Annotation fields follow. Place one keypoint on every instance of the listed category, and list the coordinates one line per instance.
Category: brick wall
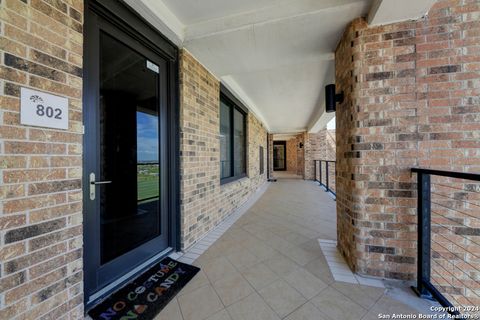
(411, 100)
(270, 156)
(300, 139)
(40, 169)
(330, 145)
(204, 202)
(448, 90)
(319, 146)
(292, 155)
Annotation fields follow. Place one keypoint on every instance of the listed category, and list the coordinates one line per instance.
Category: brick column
(301, 154)
(292, 155)
(411, 93)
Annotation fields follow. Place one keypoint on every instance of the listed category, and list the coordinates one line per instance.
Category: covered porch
(277, 259)
(177, 118)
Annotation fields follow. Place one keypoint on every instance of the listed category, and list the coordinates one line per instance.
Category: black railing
(448, 246)
(325, 174)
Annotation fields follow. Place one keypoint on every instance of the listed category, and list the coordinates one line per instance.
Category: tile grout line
(373, 306)
(214, 234)
(179, 308)
(339, 268)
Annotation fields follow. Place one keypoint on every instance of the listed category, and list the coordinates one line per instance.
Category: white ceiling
(388, 11)
(276, 55)
(194, 11)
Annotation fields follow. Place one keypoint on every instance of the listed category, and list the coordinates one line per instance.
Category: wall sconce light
(331, 98)
(300, 145)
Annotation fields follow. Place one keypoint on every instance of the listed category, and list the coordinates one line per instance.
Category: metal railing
(325, 174)
(448, 263)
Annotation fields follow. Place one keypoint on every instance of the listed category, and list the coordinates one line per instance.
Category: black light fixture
(300, 145)
(331, 98)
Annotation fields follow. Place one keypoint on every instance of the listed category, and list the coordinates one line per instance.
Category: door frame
(284, 144)
(123, 18)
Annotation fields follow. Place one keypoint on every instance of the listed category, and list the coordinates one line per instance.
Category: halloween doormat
(147, 295)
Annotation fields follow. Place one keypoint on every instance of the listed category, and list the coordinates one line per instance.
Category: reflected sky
(147, 137)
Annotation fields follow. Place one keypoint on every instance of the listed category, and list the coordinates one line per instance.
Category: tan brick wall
(330, 145)
(40, 169)
(204, 202)
(292, 155)
(300, 139)
(270, 156)
(411, 100)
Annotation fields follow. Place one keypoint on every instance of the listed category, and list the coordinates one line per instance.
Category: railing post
(315, 168)
(326, 174)
(424, 234)
(320, 170)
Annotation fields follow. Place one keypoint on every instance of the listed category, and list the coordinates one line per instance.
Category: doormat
(147, 295)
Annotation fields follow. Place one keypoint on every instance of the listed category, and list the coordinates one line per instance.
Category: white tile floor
(192, 253)
(286, 175)
(267, 263)
(339, 268)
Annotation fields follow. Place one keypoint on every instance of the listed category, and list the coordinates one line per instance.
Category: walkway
(269, 265)
(286, 175)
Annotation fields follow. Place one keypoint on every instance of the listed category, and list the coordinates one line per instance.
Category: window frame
(234, 104)
(262, 159)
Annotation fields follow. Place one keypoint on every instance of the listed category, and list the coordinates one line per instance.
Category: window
(261, 159)
(232, 138)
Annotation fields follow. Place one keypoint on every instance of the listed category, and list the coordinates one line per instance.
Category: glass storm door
(126, 160)
(128, 189)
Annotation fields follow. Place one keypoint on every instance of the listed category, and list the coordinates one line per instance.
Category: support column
(411, 99)
(377, 145)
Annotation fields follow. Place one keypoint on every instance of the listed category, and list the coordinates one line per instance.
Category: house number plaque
(43, 109)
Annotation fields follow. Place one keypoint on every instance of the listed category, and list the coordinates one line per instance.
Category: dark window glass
(239, 142)
(129, 150)
(261, 160)
(225, 141)
(232, 140)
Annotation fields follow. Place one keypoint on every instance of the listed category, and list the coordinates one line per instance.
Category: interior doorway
(279, 155)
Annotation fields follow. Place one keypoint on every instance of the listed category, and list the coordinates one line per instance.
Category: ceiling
(275, 55)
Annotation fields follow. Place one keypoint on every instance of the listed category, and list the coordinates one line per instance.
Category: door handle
(93, 183)
(100, 182)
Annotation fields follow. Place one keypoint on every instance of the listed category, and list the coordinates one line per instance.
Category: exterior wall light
(331, 98)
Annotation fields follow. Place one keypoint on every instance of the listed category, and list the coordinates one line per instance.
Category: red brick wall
(348, 200)
(448, 89)
(411, 100)
(320, 146)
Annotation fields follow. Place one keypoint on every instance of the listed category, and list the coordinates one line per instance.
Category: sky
(331, 124)
(147, 137)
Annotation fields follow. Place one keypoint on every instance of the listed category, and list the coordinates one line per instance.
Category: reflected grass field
(147, 181)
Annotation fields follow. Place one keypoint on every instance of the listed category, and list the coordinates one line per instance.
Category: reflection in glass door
(129, 150)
